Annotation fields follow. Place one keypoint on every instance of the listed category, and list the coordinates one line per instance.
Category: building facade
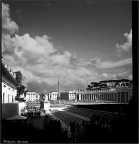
(10, 106)
(9, 90)
(53, 96)
(32, 96)
(72, 95)
(64, 95)
(117, 95)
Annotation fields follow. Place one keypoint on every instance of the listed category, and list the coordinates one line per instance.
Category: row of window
(7, 99)
(32, 96)
(71, 94)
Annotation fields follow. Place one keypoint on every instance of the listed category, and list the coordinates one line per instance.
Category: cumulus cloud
(37, 58)
(41, 63)
(8, 25)
(127, 45)
(7, 43)
(109, 64)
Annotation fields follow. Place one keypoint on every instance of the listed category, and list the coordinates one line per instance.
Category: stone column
(117, 96)
(75, 96)
(120, 96)
(126, 97)
(110, 97)
(79, 96)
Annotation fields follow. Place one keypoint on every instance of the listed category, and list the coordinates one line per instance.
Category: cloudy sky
(77, 41)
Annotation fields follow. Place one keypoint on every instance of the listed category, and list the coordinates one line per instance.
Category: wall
(9, 110)
(32, 96)
(9, 92)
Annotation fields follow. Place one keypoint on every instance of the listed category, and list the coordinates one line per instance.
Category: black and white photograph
(67, 72)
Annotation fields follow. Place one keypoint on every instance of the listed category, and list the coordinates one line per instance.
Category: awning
(17, 117)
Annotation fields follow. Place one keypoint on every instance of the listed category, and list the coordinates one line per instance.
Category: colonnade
(120, 95)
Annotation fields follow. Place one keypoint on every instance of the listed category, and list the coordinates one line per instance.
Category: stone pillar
(126, 97)
(117, 96)
(76, 97)
(79, 96)
(114, 96)
(120, 97)
(110, 97)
